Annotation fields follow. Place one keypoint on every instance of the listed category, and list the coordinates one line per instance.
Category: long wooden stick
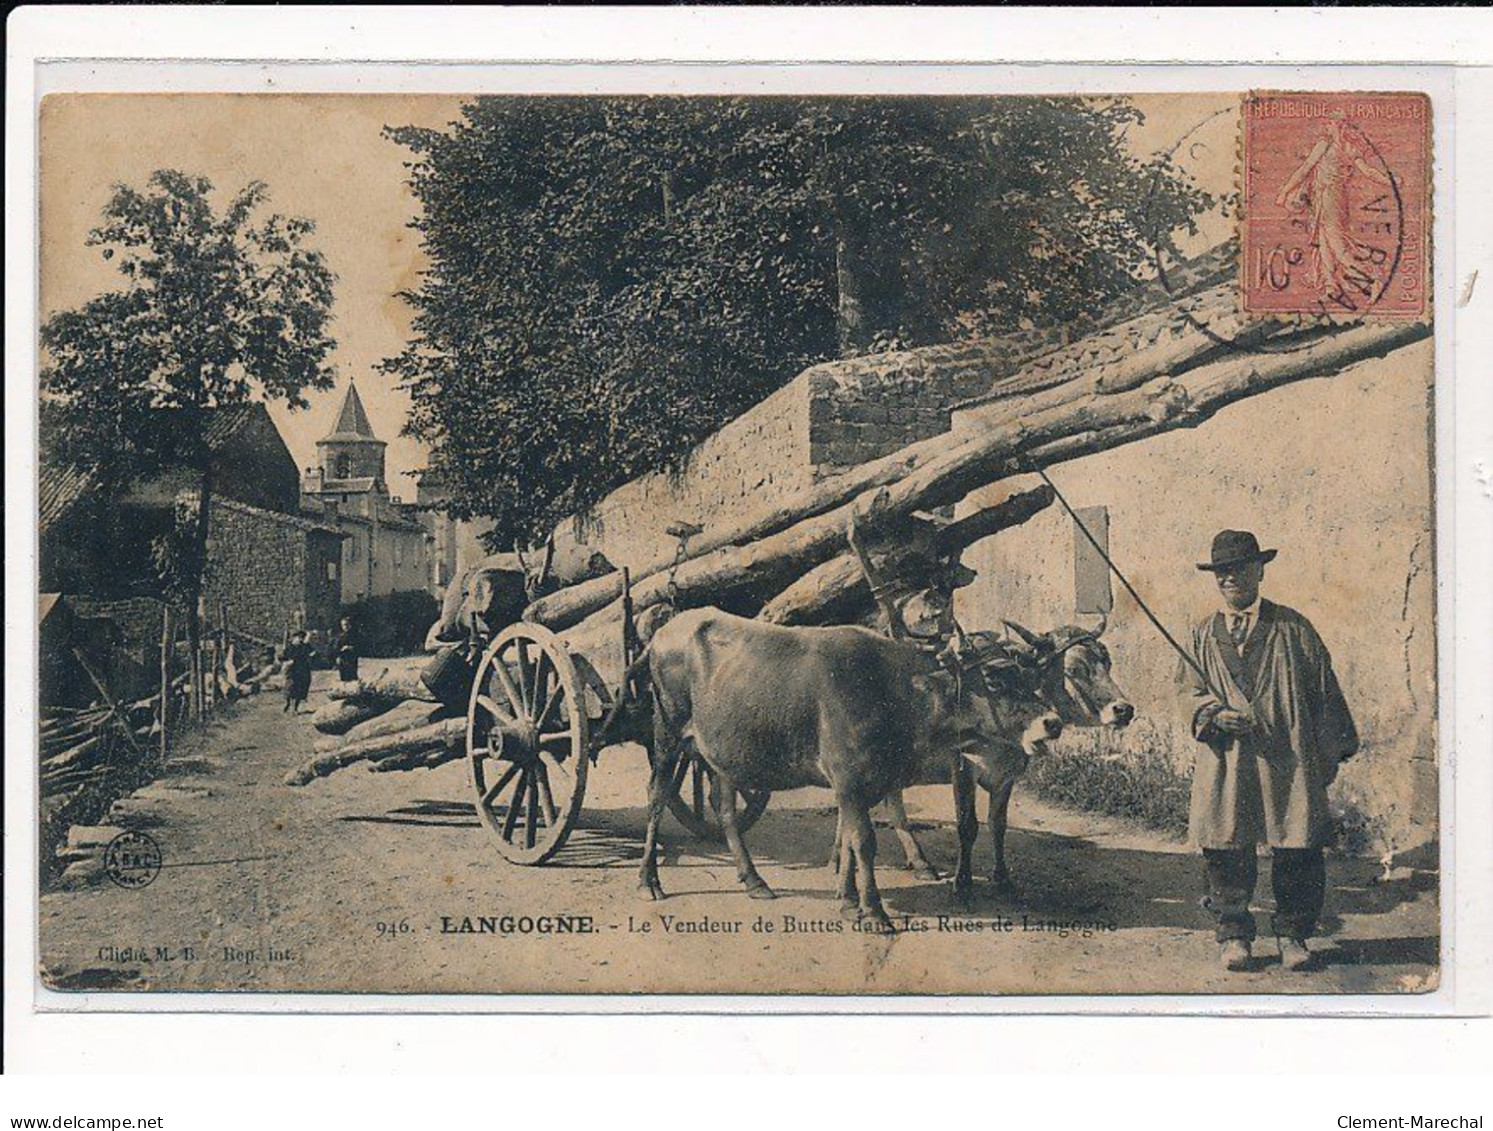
(115, 714)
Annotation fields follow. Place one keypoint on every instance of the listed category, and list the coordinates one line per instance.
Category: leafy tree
(217, 309)
(611, 279)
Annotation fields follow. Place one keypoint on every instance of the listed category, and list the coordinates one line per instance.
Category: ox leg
(967, 823)
(850, 900)
(1000, 804)
(661, 786)
(911, 849)
(723, 795)
(834, 856)
(861, 836)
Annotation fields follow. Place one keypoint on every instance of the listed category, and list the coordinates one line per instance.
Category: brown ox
(772, 708)
(1076, 683)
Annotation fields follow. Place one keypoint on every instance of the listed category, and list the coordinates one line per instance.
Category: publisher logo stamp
(132, 860)
(1334, 205)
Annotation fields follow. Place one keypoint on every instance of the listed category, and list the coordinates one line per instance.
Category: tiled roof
(223, 423)
(297, 521)
(352, 421)
(58, 488)
(358, 486)
(387, 522)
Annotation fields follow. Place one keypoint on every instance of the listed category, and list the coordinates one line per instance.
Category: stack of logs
(392, 721)
(78, 746)
(793, 565)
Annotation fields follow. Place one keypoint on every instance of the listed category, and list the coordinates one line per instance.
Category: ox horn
(1028, 637)
(1103, 624)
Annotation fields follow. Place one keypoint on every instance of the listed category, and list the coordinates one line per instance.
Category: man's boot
(1234, 955)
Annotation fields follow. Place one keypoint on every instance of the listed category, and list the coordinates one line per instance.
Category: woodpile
(1116, 404)
(385, 690)
(76, 745)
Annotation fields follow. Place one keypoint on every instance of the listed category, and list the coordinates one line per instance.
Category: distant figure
(345, 651)
(1265, 705)
(298, 675)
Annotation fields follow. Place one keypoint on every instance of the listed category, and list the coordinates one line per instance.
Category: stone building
(455, 544)
(271, 567)
(385, 549)
(267, 564)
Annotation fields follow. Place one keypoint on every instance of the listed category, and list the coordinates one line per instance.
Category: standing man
(1273, 724)
(345, 651)
(297, 656)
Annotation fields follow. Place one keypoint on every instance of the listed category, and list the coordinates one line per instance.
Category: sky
(323, 158)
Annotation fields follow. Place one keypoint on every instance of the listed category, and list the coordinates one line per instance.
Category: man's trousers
(1298, 878)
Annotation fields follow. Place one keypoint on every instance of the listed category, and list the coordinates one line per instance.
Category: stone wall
(138, 618)
(1352, 520)
(271, 570)
(866, 407)
(129, 663)
(830, 417)
(760, 458)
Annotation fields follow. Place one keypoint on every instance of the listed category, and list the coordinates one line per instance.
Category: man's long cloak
(1268, 786)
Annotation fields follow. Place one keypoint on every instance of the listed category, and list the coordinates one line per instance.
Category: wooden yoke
(902, 556)
(875, 581)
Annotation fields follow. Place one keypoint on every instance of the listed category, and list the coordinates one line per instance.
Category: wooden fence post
(168, 645)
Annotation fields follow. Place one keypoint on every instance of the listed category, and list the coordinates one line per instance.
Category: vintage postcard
(903, 546)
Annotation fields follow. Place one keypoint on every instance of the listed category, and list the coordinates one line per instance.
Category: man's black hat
(1235, 547)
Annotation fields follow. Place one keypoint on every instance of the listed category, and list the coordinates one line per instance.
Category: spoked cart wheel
(690, 801)
(528, 742)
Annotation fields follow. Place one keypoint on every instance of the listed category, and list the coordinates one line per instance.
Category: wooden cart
(539, 716)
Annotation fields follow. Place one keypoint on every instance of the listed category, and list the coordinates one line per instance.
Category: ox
(1075, 682)
(772, 708)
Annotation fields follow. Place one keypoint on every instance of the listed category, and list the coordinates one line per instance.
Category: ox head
(1075, 680)
(996, 690)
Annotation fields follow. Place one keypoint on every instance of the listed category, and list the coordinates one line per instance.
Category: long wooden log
(73, 721)
(80, 754)
(61, 736)
(419, 760)
(768, 565)
(339, 716)
(427, 738)
(837, 589)
(408, 715)
(1000, 449)
(388, 687)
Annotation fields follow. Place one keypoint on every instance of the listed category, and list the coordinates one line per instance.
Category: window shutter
(1091, 588)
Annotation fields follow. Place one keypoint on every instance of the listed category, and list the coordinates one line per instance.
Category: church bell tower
(350, 450)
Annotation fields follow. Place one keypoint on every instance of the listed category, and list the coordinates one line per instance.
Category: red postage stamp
(1334, 208)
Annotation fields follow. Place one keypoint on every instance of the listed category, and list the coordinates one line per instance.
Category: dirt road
(367, 882)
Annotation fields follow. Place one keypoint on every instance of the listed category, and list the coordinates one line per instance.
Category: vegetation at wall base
(1139, 784)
